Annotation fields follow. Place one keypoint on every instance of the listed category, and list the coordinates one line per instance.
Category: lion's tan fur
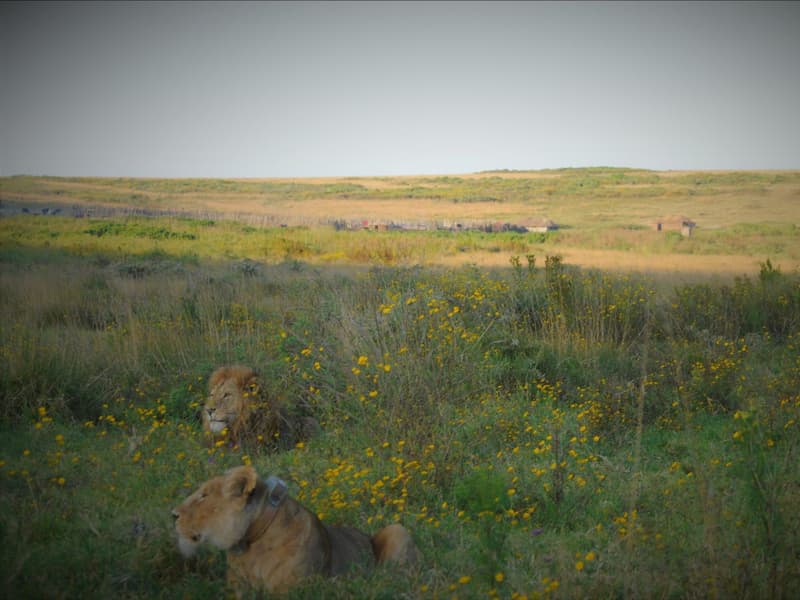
(273, 545)
(239, 407)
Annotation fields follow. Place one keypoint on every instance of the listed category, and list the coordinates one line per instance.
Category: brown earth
(678, 267)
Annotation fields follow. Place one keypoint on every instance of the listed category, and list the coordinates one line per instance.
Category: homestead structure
(538, 225)
(682, 224)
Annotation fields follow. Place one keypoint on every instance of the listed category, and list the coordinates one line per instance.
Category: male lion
(272, 541)
(238, 405)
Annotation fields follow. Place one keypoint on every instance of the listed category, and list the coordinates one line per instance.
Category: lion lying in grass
(273, 542)
(239, 409)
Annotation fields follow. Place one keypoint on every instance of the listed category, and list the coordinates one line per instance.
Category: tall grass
(543, 431)
(140, 240)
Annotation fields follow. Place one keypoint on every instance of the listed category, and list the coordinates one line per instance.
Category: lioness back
(349, 547)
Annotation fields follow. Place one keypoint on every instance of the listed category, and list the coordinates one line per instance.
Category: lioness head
(218, 512)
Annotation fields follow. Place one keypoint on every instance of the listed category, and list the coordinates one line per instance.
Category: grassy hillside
(545, 431)
(604, 215)
(594, 198)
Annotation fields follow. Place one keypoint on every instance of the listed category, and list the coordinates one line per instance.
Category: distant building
(682, 224)
(538, 225)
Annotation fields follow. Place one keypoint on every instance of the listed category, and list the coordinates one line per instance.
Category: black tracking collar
(276, 490)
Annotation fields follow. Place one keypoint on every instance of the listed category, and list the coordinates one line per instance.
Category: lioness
(273, 542)
(239, 406)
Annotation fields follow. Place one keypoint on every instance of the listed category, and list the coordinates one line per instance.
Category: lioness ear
(240, 482)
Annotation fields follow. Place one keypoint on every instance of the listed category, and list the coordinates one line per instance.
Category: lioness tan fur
(239, 408)
(272, 541)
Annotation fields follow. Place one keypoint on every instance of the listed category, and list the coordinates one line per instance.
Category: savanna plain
(599, 411)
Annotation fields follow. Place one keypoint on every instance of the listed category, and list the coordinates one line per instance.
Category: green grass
(542, 431)
(188, 240)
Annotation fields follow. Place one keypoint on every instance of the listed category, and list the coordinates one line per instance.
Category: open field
(575, 198)
(545, 431)
(604, 215)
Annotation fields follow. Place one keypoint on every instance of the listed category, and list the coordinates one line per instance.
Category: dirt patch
(679, 266)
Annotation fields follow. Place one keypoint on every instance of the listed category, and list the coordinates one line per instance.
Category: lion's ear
(240, 482)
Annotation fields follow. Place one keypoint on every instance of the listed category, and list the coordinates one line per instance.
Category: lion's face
(239, 408)
(228, 402)
(217, 512)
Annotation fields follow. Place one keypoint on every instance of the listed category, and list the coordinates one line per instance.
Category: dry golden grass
(603, 213)
(668, 267)
(711, 198)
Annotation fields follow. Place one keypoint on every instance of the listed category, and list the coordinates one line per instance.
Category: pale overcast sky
(271, 89)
